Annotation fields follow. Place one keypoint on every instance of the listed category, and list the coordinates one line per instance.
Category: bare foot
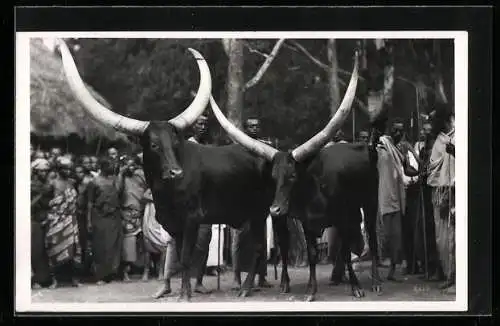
(100, 283)
(199, 288)
(163, 291)
(145, 277)
(53, 285)
(36, 286)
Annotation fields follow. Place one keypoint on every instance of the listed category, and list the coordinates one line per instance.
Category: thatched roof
(54, 109)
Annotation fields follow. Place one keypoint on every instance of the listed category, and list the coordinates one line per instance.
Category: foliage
(153, 78)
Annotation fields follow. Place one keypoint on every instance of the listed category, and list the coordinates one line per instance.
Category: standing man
(424, 149)
(409, 223)
(442, 180)
(205, 232)
(132, 185)
(241, 238)
(392, 194)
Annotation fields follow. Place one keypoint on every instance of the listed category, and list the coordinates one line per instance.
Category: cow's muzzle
(172, 174)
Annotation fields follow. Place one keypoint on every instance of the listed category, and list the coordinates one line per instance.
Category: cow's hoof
(377, 289)
(358, 293)
(310, 298)
(285, 288)
(244, 293)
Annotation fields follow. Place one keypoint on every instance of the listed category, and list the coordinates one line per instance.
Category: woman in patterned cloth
(62, 238)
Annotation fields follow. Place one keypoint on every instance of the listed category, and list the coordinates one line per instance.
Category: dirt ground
(410, 289)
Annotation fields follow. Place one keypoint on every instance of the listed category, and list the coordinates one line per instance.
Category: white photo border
(22, 249)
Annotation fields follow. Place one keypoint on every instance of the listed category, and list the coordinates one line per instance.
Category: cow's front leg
(312, 252)
(257, 232)
(283, 234)
(188, 243)
(357, 291)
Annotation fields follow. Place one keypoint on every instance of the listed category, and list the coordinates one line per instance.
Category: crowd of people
(93, 218)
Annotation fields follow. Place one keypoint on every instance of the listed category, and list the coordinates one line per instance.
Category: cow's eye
(154, 146)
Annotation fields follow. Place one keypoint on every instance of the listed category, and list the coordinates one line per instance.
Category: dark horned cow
(323, 187)
(192, 184)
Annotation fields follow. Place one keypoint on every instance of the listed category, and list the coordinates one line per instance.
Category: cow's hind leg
(312, 253)
(284, 244)
(256, 230)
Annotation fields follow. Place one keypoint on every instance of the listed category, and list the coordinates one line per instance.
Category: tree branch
(310, 56)
(226, 44)
(252, 50)
(252, 82)
(317, 61)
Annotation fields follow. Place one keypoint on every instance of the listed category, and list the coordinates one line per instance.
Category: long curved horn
(240, 137)
(96, 110)
(200, 102)
(322, 137)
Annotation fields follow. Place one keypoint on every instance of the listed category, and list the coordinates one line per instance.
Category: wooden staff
(421, 197)
(218, 258)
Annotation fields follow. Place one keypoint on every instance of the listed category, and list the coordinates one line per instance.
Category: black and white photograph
(241, 171)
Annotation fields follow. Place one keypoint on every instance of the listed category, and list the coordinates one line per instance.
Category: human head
(94, 163)
(55, 152)
(339, 136)
(86, 163)
(364, 136)
(79, 172)
(64, 166)
(252, 127)
(113, 153)
(41, 168)
(107, 166)
(425, 132)
(200, 127)
(397, 130)
(39, 154)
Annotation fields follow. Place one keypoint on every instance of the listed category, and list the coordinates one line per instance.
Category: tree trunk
(235, 83)
(333, 77)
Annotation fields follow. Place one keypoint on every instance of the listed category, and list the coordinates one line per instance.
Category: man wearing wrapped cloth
(132, 187)
(242, 240)
(441, 177)
(62, 237)
(393, 180)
